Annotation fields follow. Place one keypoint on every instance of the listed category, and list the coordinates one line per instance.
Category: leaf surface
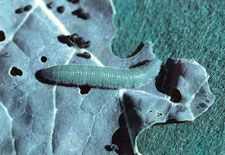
(46, 119)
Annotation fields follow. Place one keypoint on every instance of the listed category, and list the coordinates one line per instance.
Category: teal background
(187, 29)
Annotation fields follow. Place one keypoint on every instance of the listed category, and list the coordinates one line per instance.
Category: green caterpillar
(102, 76)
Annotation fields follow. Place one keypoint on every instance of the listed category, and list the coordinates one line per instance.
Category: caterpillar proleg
(102, 76)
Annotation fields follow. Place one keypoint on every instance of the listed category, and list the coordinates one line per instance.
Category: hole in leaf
(176, 95)
(122, 139)
(168, 78)
(50, 5)
(74, 39)
(2, 36)
(60, 9)
(83, 44)
(159, 114)
(140, 46)
(63, 39)
(84, 89)
(44, 59)
(207, 100)
(15, 71)
(143, 63)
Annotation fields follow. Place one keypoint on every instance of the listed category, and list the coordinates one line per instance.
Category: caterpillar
(102, 76)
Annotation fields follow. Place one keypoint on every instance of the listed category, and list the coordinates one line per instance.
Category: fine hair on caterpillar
(100, 77)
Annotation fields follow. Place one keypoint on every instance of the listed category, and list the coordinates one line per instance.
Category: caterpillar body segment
(102, 76)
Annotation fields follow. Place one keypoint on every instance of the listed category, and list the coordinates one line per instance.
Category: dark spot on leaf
(74, 37)
(79, 41)
(2, 36)
(73, 1)
(44, 59)
(202, 105)
(150, 111)
(60, 9)
(140, 46)
(19, 11)
(159, 114)
(50, 5)
(176, 95)
(108, 148)
(66, 40)
(84, 89)
(143, 63)
(81, 14)
(84, 44)
(15, 71)
(27, 8)
(85, 55)
(63, 39)
(112, 147)
(70, 43)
